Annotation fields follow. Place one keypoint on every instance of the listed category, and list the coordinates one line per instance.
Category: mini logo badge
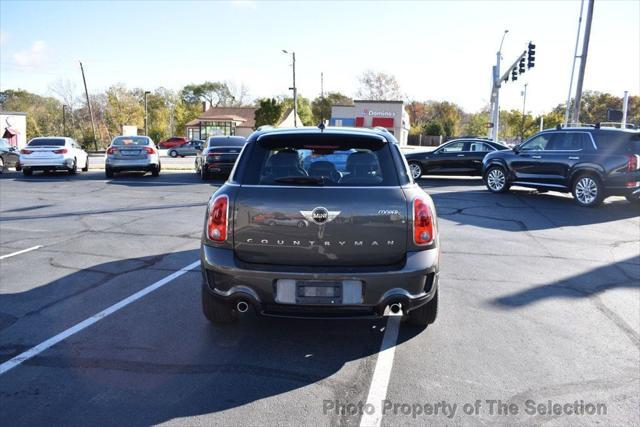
(320, 215)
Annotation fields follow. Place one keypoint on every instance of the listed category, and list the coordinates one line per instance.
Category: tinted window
(454, 147)
(130, 140)
(537, 143)
(566, 141)
(304, 160)
(226, 142)
(46, 142)
(480, 146)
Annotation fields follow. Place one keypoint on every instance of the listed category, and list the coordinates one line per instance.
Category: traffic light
(521, 66)
(514, 75)
(531, 55)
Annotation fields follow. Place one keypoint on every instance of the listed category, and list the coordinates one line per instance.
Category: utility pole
(495, 93)
(294, 89)
(625, 106)
(93, 124)
(321, 97)
(583, 63)
(146, 117)
(524, 105)
(573, 67)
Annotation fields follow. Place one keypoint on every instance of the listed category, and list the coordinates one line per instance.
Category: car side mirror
(516, 149)
(12, 148)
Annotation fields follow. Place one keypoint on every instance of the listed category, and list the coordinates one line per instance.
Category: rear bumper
(131, 165)
(413, 285)
(46, 164)
(219, 167)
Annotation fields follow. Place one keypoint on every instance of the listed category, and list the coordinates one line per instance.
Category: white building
(370, 114)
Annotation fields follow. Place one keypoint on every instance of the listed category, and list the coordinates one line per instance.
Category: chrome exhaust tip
(242, 306)
(395, 308)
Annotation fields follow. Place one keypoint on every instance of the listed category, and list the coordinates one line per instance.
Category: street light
(294, 89)
(146, 119)
(496, 91)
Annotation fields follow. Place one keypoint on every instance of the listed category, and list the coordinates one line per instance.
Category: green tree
(124, 107)
(321, 107)
(268, 112)
(476, 124)
(433, 129)
(216, 94)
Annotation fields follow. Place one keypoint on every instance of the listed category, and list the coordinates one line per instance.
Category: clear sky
(437, 50)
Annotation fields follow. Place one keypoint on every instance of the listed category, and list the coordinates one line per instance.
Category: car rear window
(41, 142)
(227, 142)
(324, 161)
(130, 140)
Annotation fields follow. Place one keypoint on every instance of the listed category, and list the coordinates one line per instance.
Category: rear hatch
(223, 154)
(44, 148)
(289, 211)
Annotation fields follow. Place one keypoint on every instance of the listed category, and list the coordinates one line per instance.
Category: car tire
(416, 170)
(18, 167)
(156, 170)
(74, 169)
(173, 153)
(108, 172)
(588, 191)
(204, 175)
(496, 180)
(1, 165)
(86, 166)
(425, 314)
(216, 311)
(27, 172)
(634, 200)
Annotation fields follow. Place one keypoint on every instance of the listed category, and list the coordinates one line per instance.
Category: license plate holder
(318, 292)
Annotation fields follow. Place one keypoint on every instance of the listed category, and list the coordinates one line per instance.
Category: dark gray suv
(320, 222)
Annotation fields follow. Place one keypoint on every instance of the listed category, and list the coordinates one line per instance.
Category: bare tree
(239, 93)
(378, 86)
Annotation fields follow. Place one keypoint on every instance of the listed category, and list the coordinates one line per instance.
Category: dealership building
(370, 114)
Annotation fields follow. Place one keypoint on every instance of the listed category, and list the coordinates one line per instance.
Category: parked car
(132, 153)
(369, 241)
(456, 157)
(53, 153)
(219, 155)
(591, 163)
(191, 148)
(172, 142)
(9, 156)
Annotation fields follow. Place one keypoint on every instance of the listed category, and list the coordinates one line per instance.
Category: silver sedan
(191, 148)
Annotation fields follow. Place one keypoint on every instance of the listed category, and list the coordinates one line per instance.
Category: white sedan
(53, 153)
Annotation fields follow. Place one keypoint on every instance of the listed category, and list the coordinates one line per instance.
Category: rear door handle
(536, 157)
(460, 155)
(574, 158)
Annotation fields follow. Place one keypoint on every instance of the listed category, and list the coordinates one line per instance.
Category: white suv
(53, 153)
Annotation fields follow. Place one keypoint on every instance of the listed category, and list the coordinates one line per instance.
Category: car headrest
(284, 159)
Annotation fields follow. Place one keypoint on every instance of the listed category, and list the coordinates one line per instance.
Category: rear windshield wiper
(302, 180)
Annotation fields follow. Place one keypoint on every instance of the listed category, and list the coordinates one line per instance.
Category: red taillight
(149, 150)
(25, 151)
(218, 217)
(60, 151)
(111, 150)
(423, 228)
(633, 164)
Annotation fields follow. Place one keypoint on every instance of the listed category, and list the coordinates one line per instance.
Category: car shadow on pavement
(159, 359)
(622, 274)
(526, 210)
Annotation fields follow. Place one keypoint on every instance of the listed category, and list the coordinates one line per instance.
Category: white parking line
(382, 373)
(34, 351)
(20, 252)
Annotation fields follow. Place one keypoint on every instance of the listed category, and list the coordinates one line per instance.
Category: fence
(424, 140)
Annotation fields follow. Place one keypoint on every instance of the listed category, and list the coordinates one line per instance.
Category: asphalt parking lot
(540, 301)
